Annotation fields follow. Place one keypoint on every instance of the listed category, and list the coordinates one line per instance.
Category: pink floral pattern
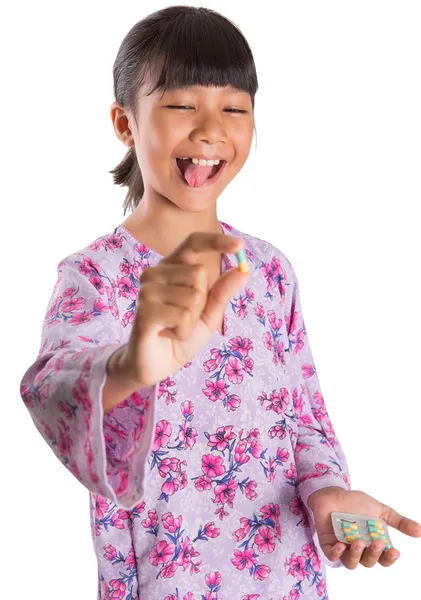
(198, 485)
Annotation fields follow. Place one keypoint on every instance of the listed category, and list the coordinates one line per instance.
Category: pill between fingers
(242, 261)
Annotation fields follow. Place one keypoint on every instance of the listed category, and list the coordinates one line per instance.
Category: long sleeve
(319, 457)
(62, 389)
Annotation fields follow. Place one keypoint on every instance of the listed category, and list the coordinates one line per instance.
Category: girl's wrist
(327, 490)
(119, 368)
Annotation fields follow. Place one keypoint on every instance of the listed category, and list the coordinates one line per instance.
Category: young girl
(181, 392)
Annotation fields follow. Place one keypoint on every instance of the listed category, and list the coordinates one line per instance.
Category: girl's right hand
(176, 313)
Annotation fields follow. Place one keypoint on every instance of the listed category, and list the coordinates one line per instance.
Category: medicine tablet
(242, 261)
(241, 255)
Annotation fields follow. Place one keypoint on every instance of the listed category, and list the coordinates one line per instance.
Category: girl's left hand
(334, 499)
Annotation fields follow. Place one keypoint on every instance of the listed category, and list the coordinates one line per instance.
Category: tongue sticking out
(195, 175)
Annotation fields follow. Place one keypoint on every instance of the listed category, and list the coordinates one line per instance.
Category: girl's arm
(103, 442)
(319, 457)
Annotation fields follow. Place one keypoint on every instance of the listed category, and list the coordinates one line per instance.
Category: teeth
(204, 163)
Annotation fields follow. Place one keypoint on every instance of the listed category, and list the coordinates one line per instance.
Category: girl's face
(194, 122)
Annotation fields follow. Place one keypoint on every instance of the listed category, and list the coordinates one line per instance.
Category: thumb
(219, 295)
(402, 524)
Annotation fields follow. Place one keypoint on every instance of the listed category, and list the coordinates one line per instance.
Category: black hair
(177, 46)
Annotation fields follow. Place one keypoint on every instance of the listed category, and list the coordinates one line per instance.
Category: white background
(334, 183)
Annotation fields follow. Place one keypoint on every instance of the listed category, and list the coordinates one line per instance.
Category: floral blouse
(198, 485)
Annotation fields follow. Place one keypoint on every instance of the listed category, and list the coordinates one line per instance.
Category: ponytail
(127, 173)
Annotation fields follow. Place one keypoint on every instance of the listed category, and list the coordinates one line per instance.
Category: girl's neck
(163, 226)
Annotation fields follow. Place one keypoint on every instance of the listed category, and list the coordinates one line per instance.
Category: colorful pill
(354, 526)
(241, 255)
(242, 261)
(346, 530)
(346, 524)
(374, 536)
(372, 523)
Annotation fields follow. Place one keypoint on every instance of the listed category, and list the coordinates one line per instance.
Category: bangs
(203, 49)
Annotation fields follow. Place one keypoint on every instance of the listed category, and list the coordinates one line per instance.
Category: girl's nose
(209, 130)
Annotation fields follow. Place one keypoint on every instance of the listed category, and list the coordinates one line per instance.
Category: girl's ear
(120, 121)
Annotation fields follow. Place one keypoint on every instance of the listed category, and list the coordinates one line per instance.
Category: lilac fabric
(198, 485)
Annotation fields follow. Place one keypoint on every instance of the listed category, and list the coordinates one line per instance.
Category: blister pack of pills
(350, 527)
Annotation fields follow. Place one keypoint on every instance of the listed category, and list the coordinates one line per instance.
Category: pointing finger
(190, 249)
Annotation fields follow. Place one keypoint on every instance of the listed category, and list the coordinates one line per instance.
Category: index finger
(190, 249)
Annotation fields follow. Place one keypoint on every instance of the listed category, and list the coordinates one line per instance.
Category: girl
(179, 391)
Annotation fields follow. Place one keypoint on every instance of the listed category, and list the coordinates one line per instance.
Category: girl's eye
(233, 110)
(236, 110)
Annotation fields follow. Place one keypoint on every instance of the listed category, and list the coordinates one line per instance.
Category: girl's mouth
(195, 176)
